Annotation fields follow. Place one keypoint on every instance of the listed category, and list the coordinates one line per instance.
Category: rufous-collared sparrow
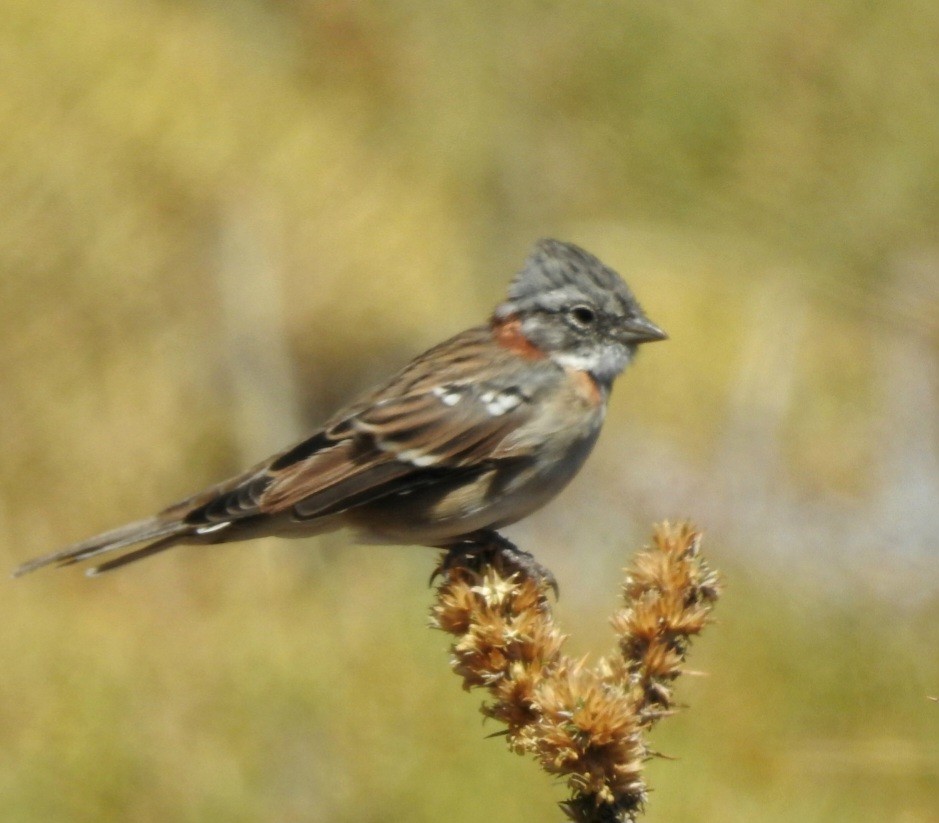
(471, 436)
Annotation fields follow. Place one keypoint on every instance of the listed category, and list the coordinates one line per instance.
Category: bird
(469, 437)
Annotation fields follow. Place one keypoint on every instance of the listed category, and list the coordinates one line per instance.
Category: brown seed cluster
(585, 723)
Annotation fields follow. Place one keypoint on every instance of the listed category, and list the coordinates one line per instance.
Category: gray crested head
(577, 310)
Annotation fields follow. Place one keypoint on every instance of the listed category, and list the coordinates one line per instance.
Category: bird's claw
(493, 548)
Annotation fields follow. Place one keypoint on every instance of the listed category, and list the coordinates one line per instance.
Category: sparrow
(469, 437)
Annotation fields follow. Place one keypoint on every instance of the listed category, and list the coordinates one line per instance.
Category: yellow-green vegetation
(218, 220)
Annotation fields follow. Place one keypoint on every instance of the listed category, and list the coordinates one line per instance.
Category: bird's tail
(159, 535)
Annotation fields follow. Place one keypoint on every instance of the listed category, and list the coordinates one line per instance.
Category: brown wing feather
(346, 468)
(453, 425)
(385, 452)
(389, 440)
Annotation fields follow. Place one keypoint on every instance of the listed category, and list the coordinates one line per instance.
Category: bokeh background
(218, 220)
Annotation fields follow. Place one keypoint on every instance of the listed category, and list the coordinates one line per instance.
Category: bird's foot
(492, 549)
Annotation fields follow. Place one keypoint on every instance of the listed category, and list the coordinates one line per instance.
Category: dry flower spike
(583, 723)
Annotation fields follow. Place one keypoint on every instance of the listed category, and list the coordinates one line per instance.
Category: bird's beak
(640, 330)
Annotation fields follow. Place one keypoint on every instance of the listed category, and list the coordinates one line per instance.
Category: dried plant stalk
(583, 723)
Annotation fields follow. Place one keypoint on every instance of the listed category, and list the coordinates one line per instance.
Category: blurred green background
(218, 220)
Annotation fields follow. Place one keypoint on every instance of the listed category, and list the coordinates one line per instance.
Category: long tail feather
(166, 533)
(137, 554)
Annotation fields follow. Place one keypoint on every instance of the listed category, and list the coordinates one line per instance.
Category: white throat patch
(604, 363)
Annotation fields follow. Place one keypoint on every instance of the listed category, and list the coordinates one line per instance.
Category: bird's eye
(583, 315)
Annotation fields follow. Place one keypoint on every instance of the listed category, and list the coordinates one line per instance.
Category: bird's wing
(396, 443)
(403, 434)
